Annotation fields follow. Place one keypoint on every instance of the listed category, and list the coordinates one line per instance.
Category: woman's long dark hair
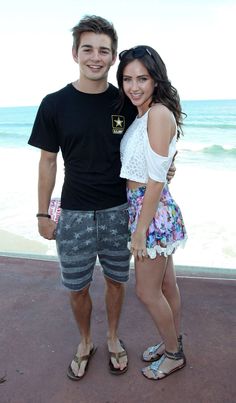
(164, 92)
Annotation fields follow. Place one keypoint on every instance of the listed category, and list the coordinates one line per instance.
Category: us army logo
(118, 124)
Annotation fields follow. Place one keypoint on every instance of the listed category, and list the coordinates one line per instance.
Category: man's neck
(91, 87)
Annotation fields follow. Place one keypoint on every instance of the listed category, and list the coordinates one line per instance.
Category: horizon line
(182, 100)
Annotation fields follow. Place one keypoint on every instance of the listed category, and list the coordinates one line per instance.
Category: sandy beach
(211, 230)
(12, 243)
(203, 185)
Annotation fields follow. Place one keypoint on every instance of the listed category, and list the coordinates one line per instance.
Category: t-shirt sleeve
(44, 133)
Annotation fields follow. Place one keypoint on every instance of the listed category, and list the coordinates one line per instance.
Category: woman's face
(138, 85)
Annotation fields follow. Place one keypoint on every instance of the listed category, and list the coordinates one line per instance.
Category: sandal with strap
(152, 353)
(154, 367)
(78, 361)
(117, 356)
(180, 343)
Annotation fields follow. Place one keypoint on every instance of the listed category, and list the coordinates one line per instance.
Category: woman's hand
(138, 245)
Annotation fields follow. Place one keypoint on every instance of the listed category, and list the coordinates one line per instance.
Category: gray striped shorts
(82, 236)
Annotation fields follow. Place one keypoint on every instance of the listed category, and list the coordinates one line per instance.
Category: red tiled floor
(38, 337)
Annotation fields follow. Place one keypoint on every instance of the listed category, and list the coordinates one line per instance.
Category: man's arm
(46, 183)
(172, 170)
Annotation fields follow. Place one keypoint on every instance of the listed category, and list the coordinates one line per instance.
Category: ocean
(204, 184)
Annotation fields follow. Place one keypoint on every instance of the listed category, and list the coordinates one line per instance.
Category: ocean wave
(212, 125)
(213, 150)
(15, 124)
(13, 135)
(216, 149)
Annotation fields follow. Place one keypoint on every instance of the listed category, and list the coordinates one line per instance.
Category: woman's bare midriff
(134, 185)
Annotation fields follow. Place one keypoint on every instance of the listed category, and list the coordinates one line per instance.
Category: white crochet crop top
(139, 161)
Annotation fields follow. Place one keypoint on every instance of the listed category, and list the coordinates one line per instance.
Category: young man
(82, 120)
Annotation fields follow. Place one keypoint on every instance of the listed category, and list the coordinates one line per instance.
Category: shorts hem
(158, 250)
(115, 280)
(68, 287)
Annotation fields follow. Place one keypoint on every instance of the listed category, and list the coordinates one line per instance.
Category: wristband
(43, 215)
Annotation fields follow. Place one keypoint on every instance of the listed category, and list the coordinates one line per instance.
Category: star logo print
(118, 124)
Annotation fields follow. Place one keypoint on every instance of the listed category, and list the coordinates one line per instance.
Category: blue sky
(196, 40)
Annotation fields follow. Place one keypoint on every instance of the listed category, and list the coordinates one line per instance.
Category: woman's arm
(150, 204)
(161, 129)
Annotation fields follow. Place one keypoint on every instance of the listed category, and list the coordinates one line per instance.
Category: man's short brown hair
(98, 25)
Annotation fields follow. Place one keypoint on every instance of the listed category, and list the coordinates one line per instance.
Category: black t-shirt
(87, 129)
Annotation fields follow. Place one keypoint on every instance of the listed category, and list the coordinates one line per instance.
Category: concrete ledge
(181, 271)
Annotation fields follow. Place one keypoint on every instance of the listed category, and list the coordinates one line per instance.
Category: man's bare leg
(81, 305)
(114, 300)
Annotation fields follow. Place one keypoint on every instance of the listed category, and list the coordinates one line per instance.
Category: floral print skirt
(166, 231)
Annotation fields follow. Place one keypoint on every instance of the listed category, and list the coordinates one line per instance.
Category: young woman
(155, 220)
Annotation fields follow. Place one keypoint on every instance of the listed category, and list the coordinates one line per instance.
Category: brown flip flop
(112, 369)
(78, 360)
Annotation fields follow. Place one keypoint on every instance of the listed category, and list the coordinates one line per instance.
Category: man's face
(94, 56)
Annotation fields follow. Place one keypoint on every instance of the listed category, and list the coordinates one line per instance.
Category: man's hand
(46, 228)
(172, 169)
